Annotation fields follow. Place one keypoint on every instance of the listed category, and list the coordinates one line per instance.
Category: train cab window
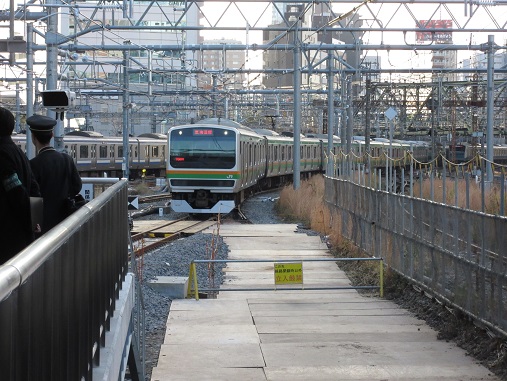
(102, 152)
(198, 147)
(84, 152)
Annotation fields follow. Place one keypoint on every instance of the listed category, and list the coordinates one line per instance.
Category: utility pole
(367, 131)
(330, 111)
(52, 67)
(490, 106)
(297, 106)
(30, 149)
(126, 105)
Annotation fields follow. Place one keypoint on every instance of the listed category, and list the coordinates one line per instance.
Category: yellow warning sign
(289, 273)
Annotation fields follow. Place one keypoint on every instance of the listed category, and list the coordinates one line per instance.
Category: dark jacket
(17, 184)
(58, 178)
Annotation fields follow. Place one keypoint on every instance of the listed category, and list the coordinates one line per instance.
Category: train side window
(154, 151)
(102, 152)
(83, 152)
(120, 151)
(111, 151)
(276, 153)
(283, 153)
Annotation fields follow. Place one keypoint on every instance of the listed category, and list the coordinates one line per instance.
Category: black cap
(41, 123)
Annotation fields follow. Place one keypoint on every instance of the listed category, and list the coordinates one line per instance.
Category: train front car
(211, 165)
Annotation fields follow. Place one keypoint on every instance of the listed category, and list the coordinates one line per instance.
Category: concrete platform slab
(300, 334)
(368, 372)
(211, 334)
(212, 355)
(208, 374)
(368, 337)
(358, 353)
(308, 328)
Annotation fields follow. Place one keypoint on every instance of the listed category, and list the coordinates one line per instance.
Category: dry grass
(305, 204)
(140, 188)
(491, 197)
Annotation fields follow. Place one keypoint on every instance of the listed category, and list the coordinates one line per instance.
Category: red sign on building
(435, 36)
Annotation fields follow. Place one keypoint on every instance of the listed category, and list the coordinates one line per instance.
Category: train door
(145, 156)
(119, 155)
(134, 156)
(93, 155)
(290, 159)
(276, 159)
(71, 151)
(246, 163)
(103, 157)
(112, 156)
(83, 157)
(271, 159)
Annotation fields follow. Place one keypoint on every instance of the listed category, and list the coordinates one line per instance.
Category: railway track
(154, 198)
(150, 234)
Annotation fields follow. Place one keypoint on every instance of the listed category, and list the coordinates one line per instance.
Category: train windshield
(202, 147)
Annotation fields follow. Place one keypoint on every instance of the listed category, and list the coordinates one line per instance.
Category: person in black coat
(17, 184)
(55, 172)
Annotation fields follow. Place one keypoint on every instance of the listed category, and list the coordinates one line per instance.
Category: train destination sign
(203, 132)
(288, 273)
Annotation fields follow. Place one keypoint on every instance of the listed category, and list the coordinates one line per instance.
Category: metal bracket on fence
(193, 290)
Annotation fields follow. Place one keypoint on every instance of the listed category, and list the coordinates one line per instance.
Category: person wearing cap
(55, 172)
(17, 184)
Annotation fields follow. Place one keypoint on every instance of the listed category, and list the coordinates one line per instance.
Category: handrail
(15, 271)
(192, 278)
(61, 291)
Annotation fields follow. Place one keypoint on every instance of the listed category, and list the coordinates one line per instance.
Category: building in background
(214, 62)
(97, 75)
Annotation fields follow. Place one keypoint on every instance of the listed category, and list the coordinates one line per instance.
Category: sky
(460, 15)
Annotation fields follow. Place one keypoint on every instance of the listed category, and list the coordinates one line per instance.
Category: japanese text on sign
(288, 273)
